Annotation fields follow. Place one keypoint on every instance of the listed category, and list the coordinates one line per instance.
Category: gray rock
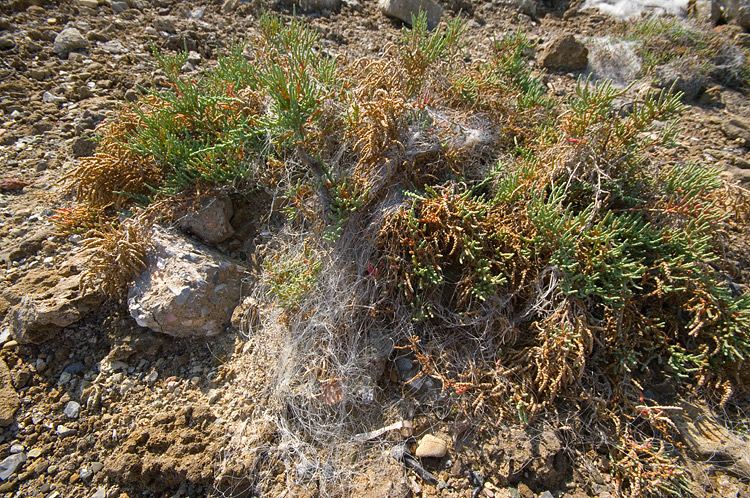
(528, 7)
(9, 401)
(405, 9)
(34, 321)
(89, 4)
(131, 95)
(355, 5)
(114, 47)
(546, 494)
(229, 6)
(564, 53)
(83, 147)
(737, 129)
(10, 464)
(736, 11)
(119, 7)
(186, 289)
(74, 368)
(85, 474)
(165, 24)
(68, 40)
(51, 98)
(72, 409)
(404, 364)
(706, 11)
(309, 6)
(16, 448)
(96, 467)
(208, 219)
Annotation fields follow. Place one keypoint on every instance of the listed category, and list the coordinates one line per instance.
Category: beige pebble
(431, 447)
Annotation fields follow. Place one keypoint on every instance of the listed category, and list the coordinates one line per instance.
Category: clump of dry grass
(115, 256)
(116, 173)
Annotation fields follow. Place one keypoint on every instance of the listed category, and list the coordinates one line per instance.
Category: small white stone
(72, 409)
(64, 431)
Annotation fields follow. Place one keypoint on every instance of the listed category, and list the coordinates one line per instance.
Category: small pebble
(100, 493)
(16, 448)
(213, 396)
(35, 453)
(64, 431)
(72, 409)
(52, 469)
(431, 447)
(86, 474)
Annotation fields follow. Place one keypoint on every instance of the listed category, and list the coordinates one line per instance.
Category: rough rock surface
(174, 448)
(405, 9)
(9, 402)
(68, 40)
(186, 289)
(564, 53)
(209, 219)
(58, 301)
(737, 129)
